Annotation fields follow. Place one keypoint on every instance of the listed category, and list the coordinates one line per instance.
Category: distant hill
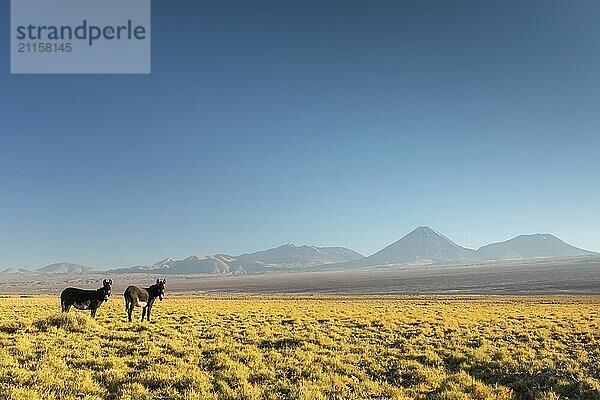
(67, 268)
(422, 245)
(292, 255)
(12, 271)
(217, 264)
(159, 265)
(530, 246)
(199, 265)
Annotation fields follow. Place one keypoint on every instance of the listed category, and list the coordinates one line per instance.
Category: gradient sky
(320, 122)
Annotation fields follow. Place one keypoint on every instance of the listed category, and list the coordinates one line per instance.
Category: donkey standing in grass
(85, 299)
(139, 297)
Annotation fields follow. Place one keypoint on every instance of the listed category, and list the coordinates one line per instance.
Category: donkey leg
(65, 307)
(148, 313)
(128, 307)
(93, 312)
(144, 312)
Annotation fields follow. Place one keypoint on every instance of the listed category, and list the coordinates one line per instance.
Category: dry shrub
(71, 322)
(13, 326)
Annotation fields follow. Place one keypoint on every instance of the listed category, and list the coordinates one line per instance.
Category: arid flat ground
(558, 276)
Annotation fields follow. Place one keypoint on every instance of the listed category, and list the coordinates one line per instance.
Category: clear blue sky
(321, 122)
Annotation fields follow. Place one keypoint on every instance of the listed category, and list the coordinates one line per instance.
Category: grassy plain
(304, 348)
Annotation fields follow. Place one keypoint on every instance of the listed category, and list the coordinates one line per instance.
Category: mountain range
(283, 257)
(421, 246)
(426, 246)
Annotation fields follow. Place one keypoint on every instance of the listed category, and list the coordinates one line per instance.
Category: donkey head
(106, 288)
(160, 284)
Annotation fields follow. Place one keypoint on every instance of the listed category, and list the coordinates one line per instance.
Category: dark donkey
(85, 299)
(139, 297)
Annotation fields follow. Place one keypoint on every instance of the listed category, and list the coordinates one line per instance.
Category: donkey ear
(110, 281)
(104, 282)
(157, 281)
(164, 281)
